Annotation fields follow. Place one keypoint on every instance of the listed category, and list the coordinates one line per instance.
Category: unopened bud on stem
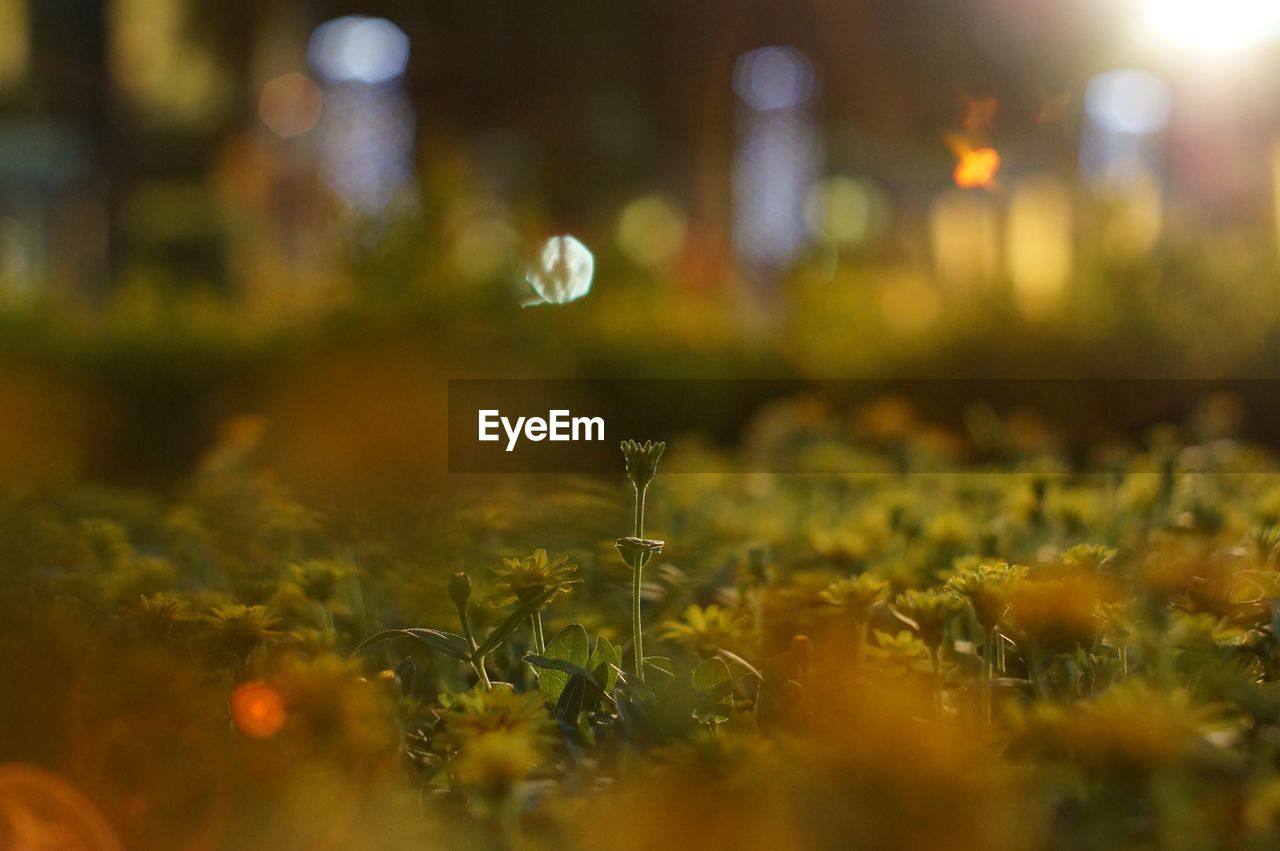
(460, 589)
(642, 461)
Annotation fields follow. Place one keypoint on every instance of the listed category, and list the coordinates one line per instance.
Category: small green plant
(636, 550)
(465, 647)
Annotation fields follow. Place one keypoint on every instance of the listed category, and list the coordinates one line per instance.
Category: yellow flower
(521, 579)
(857, 596)
(986, 587)
(238, 629)
(1056, 614)
(846, 547)
(903, 652)
(157, 616)
(491, 763)
(495, 738)
(334, 707)
(319, 578)
(1203, 630)
(1088, 556)
(705, 630)
(1131, 728)
(927, 612)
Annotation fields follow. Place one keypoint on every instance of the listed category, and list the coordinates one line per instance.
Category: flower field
(1011, 653)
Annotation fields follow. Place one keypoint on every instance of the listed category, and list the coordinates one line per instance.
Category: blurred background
(312, 208)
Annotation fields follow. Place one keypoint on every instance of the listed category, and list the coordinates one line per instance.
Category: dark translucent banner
(575, 426)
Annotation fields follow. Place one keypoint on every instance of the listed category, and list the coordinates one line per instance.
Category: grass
(1012, 655)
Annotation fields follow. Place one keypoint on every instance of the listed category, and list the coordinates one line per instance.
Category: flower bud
(460, 589)
(638, 548)
(642, 461)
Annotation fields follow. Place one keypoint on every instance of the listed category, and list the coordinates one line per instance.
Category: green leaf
(711, 673)
(661, 664)
(571, 646)
(556, 665)
(516, 619)
(573, 697)
(715, 686)
(604, 663)
(448, 643)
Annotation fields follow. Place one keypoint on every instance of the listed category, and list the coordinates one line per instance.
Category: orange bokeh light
(257, 709)
(977, 168)
(290, 105)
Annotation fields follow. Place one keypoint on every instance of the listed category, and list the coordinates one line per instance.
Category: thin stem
(640, 492)
(477, 664)
(1033, 670)
(539, 638)
(637, 636)
(988, 650)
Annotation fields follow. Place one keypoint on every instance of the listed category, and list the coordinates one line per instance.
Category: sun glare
(1225, 26)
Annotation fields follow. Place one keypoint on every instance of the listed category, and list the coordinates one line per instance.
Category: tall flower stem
(637, 632)
(642, 466)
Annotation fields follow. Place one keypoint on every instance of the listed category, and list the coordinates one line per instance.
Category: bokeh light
(1128, 101)
(169, 75)
(257, 709)
(652, 232)
(359, 49)
(1217, 27)
(368, 126)
(290, 105)
(964, 233)
(1135, 218)
(1121, 145)
(1038, 243)
(15, 42)
(776, 158)
(976, 168)
(846, 211)
(485, 241)
(563, 271)
(770, 78)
